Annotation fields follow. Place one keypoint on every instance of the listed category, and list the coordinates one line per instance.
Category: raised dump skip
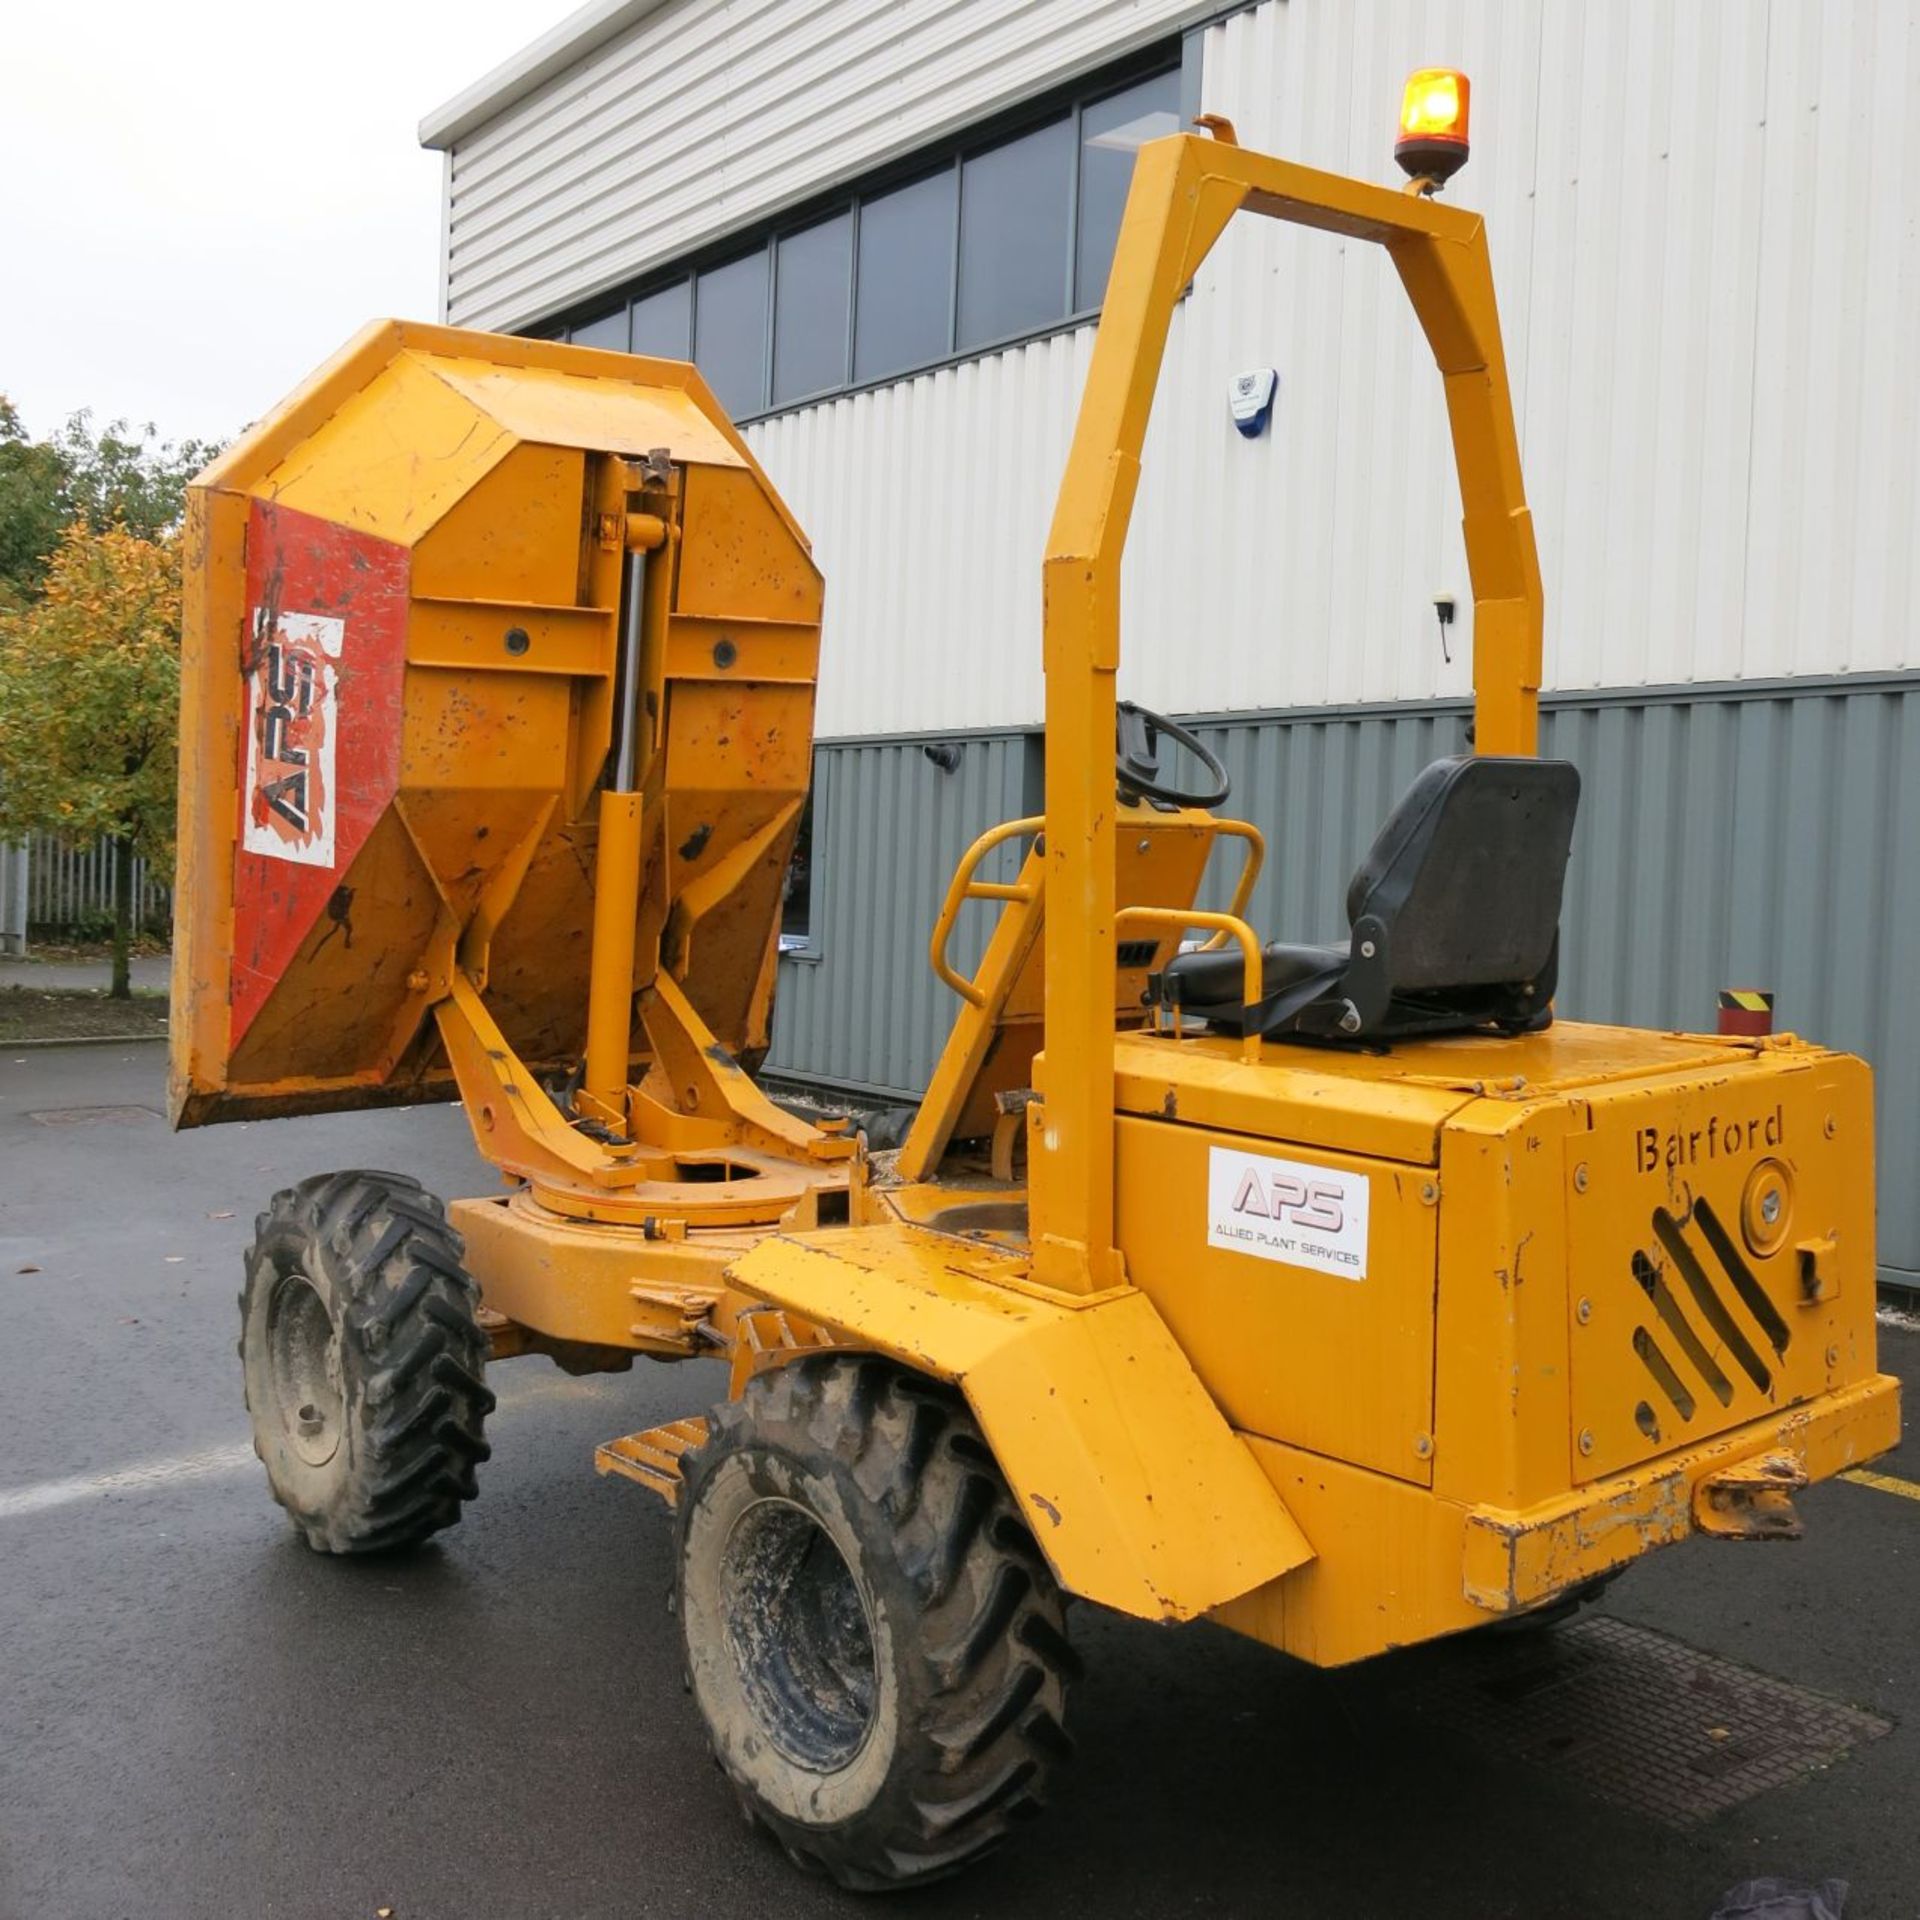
(402, 678)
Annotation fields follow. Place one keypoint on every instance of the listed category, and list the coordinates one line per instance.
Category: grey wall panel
(889, 827)
(1726, 838)
(1318, 787)
(1759, 842)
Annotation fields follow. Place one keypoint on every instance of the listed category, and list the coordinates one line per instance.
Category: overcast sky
(199, 201)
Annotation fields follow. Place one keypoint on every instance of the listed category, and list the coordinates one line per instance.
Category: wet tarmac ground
(199, 1717)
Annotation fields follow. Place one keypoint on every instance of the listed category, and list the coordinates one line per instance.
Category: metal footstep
(653, 1457)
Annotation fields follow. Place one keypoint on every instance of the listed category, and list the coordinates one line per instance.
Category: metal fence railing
(13, 899)
(69, 891)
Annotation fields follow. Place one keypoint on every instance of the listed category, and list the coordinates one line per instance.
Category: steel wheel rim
(303, 1358)
(800, 1633)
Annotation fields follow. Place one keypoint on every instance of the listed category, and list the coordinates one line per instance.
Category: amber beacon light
(1432, 146)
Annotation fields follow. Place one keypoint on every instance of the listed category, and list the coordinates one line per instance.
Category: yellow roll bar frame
(1186, 188)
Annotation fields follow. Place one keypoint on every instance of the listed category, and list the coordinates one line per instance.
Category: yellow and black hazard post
(1745, 1010)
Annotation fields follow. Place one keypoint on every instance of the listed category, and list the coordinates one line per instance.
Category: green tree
(33, 508)
(128, 476)
(119, 475)
(90, 705)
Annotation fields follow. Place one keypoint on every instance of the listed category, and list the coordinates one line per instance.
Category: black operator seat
(1455, 918)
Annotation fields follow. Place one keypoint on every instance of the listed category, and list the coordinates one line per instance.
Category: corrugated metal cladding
(889, 827)
(1763, 838)
(1707, 265)
(711, 114)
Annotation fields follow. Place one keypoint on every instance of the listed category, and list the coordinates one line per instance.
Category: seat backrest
(1466, 877)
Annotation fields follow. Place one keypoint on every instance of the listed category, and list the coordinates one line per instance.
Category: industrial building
(882, 227)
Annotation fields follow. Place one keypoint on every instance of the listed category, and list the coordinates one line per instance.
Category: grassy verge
(144, 947)
(41, 1013)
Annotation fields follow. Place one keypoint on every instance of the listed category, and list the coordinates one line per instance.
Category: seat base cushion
(1298, 999)
(1216, 976)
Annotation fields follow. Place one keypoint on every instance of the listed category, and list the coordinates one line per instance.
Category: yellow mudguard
(1140, 1494)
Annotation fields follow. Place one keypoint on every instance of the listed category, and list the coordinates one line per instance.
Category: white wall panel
(1721, 394)
(710, 114)
(1708, 268)
(927, 502)
(1292, 570)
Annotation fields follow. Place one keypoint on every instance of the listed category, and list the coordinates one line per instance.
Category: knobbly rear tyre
(872, 1635)
(364, 1362)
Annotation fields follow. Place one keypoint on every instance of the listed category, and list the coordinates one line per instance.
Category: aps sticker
(1282, 1210)
(293, 723)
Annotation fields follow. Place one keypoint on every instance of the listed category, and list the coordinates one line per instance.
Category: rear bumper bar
(1518, 1560)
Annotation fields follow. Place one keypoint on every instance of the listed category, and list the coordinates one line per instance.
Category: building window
(1005, 234)
(1111, 131)
(610, 330)
(730, 332)
(663, 322)
(904, 312)
(1016, 213)
(812, 303)
(796, 898)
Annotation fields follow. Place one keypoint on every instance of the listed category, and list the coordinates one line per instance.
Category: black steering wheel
(1138, 760)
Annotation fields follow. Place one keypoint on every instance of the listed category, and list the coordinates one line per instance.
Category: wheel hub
(798, 1630)
(303, 1348)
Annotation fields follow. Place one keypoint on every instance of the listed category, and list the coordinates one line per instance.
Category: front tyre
(364, 1362)
(872, 1635)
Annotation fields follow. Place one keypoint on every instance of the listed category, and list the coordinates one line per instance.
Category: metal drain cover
(95, 1116)
(1643, 1721)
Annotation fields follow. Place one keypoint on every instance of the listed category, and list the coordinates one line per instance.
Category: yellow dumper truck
(1341, 1294)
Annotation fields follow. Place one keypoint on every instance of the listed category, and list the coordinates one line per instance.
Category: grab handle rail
(1226, 926)
(965, 887)
(1249, 872)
